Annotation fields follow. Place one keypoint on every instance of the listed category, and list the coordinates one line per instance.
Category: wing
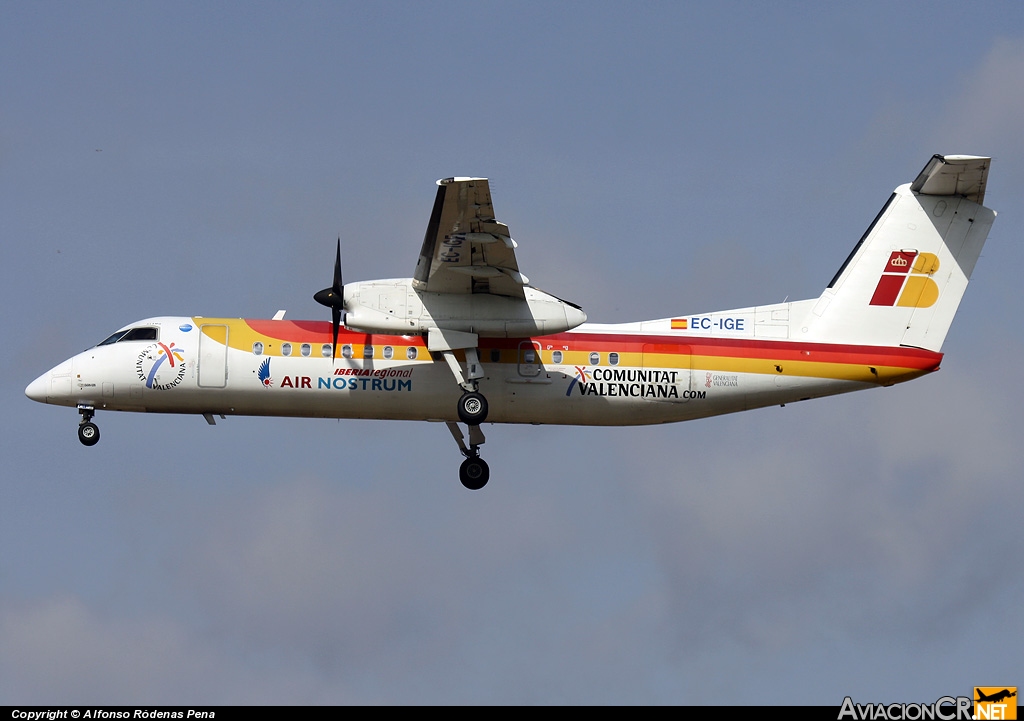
(465, 250)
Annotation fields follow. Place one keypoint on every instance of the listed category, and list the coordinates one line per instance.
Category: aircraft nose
(38, 388)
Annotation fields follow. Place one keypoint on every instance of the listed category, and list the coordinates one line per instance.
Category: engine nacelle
(396, 308)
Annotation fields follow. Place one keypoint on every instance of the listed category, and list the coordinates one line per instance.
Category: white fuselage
(631, 374)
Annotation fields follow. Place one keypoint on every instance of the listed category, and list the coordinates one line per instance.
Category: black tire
(472, 408)
(474, 473)
(89, 434)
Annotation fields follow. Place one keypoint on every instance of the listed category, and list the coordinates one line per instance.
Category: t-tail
(904, 280)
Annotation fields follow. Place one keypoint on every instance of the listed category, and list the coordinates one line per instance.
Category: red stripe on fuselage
(915, 358)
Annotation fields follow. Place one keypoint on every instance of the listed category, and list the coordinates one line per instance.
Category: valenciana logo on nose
(161, 366)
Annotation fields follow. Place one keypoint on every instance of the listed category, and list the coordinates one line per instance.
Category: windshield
(131, 334)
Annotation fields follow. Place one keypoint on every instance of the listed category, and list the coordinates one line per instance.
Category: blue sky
(651, 160)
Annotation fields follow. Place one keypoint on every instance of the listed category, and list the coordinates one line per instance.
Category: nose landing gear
(88, 432)
(474, 472)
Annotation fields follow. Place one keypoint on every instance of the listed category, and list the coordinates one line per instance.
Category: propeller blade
(337, 271)
(334, 298)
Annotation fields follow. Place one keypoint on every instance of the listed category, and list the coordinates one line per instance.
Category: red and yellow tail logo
(906, 280)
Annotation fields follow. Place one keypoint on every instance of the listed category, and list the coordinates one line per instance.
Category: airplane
(996, 697)
(467, 339)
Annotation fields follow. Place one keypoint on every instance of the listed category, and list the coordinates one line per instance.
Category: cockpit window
(139, 334)
(114, 338)
(132, 334)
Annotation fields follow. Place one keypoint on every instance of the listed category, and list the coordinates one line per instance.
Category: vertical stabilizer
(904, 280)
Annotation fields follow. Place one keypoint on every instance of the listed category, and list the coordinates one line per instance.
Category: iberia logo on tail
(906, 280)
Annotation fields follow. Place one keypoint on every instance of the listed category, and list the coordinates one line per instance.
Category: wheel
(474, 473)
(89, 434)
(472, 408)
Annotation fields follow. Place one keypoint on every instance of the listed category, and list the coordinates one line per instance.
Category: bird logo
(264, 374)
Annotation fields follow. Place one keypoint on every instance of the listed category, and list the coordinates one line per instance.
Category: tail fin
(903, 281)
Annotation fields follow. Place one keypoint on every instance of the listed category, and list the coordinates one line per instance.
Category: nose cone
(39, 388)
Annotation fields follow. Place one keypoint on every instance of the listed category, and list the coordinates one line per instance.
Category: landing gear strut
(472, 406)
(473, 473)
(88, 432)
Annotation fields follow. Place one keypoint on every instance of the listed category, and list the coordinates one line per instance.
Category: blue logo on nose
(185, 327)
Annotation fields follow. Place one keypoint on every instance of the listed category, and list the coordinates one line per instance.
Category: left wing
(465, 250)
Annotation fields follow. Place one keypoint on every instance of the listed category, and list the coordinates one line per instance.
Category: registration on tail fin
(904, 280)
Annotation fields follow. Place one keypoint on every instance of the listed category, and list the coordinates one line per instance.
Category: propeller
(334, 298)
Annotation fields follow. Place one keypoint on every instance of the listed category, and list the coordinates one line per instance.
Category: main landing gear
(473, 473)
(472, 406)
(88, 432)
(472, 409)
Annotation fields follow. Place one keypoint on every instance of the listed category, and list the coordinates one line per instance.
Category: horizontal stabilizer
(964, 175)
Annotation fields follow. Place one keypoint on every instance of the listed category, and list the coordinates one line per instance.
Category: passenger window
(346, 351)
(389, 352)
(325, 350)
(595, 358)
(257, 348)
(410, 352)
(556, 356)
(286, 349)
(613, 359)
(367, 351)
(305, 349)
